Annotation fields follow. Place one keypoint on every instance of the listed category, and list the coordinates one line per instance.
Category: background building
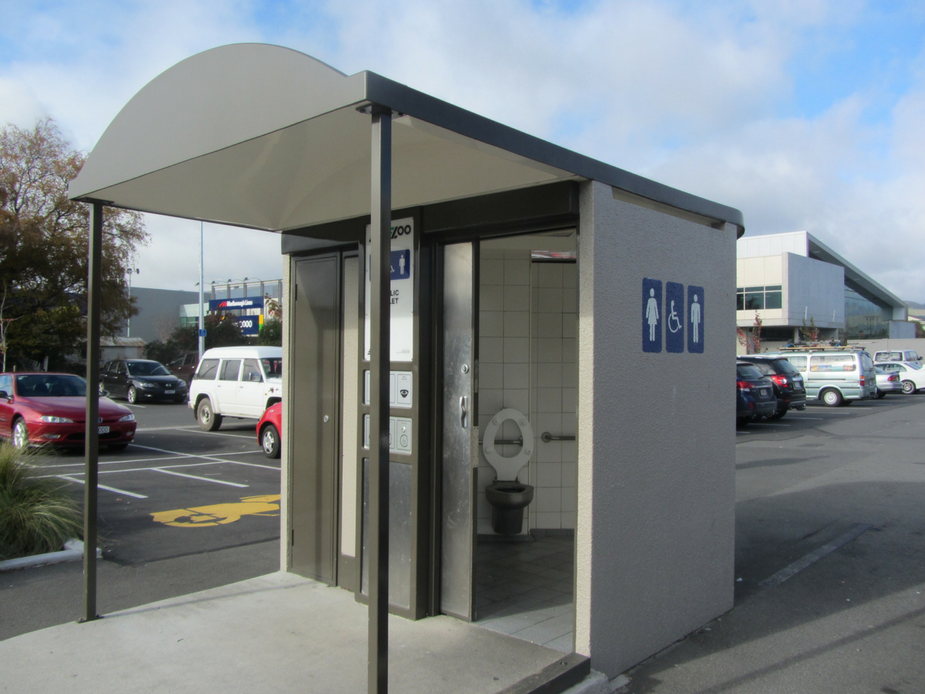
(793, 281)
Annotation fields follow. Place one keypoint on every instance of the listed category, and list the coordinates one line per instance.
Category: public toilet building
(470, 313)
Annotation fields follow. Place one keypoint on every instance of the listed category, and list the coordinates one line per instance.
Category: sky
(803, 114)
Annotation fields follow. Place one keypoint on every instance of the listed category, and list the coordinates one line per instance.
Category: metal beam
(91, 445)
(379, 310)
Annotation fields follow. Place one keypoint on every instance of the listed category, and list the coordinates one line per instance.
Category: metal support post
(380, 278)
(91, 444)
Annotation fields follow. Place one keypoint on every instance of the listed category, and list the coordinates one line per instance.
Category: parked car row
(830, 376)
(50, 409)
(141, 379)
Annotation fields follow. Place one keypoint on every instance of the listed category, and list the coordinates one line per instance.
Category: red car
(268, 429)
(51, 409)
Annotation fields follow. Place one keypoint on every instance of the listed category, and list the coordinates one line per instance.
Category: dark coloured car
(50, 409)
(268, 429)
(754, 394)
(788, 382)
(184, 366)
(141, 379)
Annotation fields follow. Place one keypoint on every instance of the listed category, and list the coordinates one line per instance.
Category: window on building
(865, 320)
(759, 298)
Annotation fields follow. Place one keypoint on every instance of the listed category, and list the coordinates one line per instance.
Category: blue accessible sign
(674, 317)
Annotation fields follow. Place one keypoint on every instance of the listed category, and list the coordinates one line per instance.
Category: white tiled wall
(554, 375)
(528, 361)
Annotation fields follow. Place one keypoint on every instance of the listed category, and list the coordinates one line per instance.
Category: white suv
(235, 382)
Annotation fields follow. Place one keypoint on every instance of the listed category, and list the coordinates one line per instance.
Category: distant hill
(912, 304)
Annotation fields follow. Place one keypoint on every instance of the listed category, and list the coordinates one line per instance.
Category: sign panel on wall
(675, 317)
(401, 291)
(235, 304)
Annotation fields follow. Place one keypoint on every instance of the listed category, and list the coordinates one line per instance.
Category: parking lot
(178, 490)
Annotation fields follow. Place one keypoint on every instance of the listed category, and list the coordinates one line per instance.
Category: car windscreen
(747, 372)
(786, 367)
(763, 367)
(50, 386)
(207, 370)
(146, 368)
(273, 367)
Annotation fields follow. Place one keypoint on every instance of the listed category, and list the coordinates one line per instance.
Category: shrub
(36, 515)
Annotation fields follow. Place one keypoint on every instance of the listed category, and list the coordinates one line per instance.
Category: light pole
(128, 327)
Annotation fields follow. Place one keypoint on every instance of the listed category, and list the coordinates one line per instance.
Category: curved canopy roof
(261, 136)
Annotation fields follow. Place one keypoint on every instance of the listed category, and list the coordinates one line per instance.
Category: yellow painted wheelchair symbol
(220, 514)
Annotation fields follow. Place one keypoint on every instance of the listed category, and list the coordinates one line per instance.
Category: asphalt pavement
(181, 510)
(830, 560)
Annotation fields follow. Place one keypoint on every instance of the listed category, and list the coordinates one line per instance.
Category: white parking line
(171, 456)
(197, 477)
(147, 429)
(790, 571)
(100, 486)
(209, 457)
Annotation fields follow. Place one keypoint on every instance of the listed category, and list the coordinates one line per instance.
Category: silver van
(834, 375)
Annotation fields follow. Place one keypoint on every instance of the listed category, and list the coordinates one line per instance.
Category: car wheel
(743, 421)
(269, 440)
(831, 397)
(880, 394)
(908, 387)
(132, 395)
(20, 434)
(208, 420)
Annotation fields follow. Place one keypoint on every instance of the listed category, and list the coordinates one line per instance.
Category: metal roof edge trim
(403, 99)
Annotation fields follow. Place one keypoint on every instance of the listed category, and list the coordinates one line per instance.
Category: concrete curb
(73, 551)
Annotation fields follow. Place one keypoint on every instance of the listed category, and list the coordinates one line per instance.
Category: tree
(43, 250)
(271, 333)
(222, 330)
(810, 332)
(751, 340)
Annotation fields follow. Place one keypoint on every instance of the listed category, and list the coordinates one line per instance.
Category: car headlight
(128, 418)
(50, 419)
(145, 384)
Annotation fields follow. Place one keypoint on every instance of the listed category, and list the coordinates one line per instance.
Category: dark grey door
(313, 416)
(460, 431)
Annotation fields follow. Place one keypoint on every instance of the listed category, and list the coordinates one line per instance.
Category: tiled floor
(524, 589)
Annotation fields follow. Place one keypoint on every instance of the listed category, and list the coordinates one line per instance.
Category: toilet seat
(507, 468)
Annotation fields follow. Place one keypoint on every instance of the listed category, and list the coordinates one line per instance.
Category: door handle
(464, 412)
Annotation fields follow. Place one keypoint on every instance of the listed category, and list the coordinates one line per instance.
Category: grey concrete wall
(656, 487)
(158, 312)
(816, 290)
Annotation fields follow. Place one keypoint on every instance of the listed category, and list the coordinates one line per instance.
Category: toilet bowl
(507, 496)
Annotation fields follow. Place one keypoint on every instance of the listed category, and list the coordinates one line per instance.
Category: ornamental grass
(36, 514)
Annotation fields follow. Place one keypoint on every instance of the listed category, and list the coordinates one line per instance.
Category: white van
(898, 355)
(834, 375)
(235, 382)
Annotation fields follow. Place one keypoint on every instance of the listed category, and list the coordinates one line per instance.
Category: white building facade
(794, 283)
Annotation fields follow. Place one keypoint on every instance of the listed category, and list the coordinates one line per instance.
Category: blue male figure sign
(400, 262)
(695, 311)
(651, 315)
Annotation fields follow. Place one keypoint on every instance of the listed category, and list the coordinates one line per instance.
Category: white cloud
(696, 95)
